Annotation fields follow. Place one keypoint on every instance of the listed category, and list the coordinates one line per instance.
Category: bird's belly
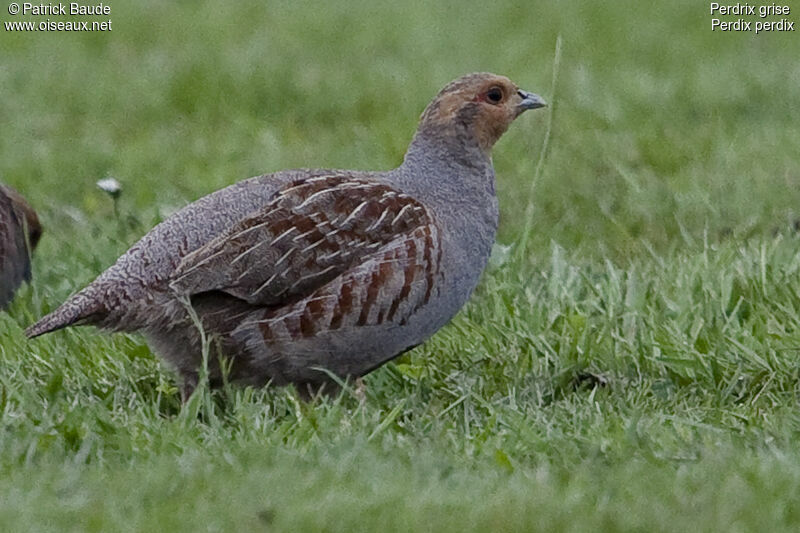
(344, 353)
(283, 352)
(303, 342)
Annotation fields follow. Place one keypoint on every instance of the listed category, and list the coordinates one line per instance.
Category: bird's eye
(494, 95)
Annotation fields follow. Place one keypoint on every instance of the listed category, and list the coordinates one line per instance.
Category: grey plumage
(301, 270)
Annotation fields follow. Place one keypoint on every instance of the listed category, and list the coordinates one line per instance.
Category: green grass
(636, 366)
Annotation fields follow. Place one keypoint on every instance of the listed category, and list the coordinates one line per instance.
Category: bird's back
(125, 296)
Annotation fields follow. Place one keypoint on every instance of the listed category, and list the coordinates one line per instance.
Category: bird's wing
(312, 232)
(15, 265)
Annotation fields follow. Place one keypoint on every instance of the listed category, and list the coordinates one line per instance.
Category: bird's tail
(81, 308)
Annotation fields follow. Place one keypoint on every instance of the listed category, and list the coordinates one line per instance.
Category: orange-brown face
(486, 104)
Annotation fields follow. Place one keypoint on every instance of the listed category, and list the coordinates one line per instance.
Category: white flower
(110, 186)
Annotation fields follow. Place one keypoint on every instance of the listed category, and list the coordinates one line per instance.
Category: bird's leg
(311, 390)
(360, 390)
(188, 385)
(308, 391)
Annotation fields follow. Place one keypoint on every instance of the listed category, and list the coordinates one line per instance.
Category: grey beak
(530, 100)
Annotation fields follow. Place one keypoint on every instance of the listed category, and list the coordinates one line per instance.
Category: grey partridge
(295, 276)
(19, 233)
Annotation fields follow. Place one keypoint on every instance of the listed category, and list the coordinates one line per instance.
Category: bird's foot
(360, 390)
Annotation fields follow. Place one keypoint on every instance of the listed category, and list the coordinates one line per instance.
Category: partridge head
(479, 107)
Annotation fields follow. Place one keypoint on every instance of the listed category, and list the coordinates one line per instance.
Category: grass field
(630, 361)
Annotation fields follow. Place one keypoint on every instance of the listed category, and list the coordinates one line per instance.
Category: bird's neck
(456, 179)
(450, 142)
(457, 182)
